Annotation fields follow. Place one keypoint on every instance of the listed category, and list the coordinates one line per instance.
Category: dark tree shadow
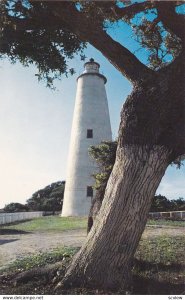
(6, 231)
(148, 266)
(143, 286)
(7, 241)
(154, 286)
(15, 223)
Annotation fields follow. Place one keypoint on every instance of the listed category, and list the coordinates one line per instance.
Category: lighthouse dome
(91, 66)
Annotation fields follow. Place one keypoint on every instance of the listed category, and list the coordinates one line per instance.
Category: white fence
(13, 217)
(174, 215)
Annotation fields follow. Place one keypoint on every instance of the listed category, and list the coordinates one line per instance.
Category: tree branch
(118, 55)
(131, 10)
(171, 20)
(64, 15)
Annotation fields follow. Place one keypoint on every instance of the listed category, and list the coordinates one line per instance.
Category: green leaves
(49, 198)
(31, 35)
(41, 259)
(161, 204)
(15, 207)
(39, 33)
(104, 155)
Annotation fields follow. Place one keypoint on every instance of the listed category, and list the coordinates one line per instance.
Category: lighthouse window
(89, 191)
(89, 133)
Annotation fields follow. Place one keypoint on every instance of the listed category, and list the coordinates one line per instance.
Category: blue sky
(35, 126)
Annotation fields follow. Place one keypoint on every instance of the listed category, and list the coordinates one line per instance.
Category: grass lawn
(167, 223)
(50, 223)
(39, 260)
(159, 266)
(56, 223)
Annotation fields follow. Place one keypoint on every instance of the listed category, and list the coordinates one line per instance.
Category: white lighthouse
(91, 125)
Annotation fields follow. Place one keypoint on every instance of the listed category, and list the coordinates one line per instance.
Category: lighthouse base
(77, 206)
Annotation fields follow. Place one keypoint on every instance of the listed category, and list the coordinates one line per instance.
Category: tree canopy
(161, 203)
(15, 207)
(49, 198)
(104, 155)
(49, 33)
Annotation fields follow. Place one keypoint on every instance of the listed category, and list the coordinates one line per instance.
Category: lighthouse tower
(91, 125)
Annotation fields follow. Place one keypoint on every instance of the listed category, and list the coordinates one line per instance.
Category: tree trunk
(104, 260)
(95, 207)
(151, 136)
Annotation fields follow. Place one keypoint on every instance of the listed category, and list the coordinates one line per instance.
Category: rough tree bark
(104, 260)
(95, 206)
(151, 136)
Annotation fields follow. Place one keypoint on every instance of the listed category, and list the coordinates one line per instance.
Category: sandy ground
(15, 245)
(155, 230)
